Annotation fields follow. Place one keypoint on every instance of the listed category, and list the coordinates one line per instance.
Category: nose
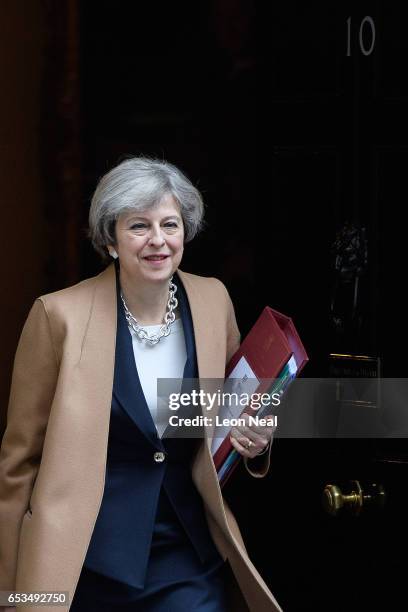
(156, 237)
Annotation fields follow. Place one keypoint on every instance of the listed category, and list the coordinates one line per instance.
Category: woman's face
(150, 243)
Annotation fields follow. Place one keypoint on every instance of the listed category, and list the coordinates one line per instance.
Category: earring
(113, 253)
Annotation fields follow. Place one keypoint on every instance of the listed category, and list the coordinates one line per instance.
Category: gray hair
(139, 183)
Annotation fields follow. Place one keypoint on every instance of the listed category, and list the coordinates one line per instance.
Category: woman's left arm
(258, 456)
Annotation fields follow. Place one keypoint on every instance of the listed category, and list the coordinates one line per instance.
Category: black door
(333, 99)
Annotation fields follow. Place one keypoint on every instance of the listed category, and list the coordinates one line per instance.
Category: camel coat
(54, 450)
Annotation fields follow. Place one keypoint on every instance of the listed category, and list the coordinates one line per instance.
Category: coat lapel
(210, 356)
(211, 367)
(198, 312)
(190, 369)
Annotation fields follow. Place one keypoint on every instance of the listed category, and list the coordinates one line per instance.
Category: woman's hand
(251, 440)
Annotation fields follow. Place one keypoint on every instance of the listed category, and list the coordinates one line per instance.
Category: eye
(171, 224)
(137, 226)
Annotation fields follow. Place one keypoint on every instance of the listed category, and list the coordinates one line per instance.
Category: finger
(253, 446)
(245, 434)
(250, 453)
(240, 448)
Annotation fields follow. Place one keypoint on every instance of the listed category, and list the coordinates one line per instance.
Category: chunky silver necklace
(169, 318)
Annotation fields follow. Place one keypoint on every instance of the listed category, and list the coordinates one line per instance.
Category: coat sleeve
(32, 390)
(258, 467)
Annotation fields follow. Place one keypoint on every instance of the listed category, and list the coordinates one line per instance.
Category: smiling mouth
(156, 257)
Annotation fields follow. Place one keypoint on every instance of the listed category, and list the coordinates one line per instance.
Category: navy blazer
(135, 481)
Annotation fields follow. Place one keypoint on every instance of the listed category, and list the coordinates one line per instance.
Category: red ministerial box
(267, 348)
(269, 345)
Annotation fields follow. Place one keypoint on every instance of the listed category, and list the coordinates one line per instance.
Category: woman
(93, 500)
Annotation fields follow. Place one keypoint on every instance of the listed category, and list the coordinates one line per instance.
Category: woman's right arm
(33, 384)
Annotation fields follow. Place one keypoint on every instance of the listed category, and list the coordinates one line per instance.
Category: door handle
(353, 499)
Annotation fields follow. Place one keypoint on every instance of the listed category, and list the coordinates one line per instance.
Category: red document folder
(267, 349)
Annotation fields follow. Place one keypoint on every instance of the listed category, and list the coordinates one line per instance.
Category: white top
(166, 359)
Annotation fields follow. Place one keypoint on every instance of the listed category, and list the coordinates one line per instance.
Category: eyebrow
(133, 217)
